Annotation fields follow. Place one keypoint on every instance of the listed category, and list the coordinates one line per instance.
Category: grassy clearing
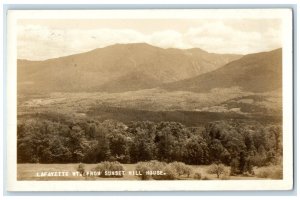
(29, 172)
(269, 172)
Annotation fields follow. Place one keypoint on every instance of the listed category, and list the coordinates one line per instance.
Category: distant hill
(117, 68)
(259, 72)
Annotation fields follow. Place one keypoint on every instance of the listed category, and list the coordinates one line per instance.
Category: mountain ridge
(92, 70)
(142, 44)
(258, 72)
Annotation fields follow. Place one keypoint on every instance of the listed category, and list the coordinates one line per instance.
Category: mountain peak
(196, 50)
(141, 44)
(116, 65)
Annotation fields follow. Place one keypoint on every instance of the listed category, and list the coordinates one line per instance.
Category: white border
(219, 185)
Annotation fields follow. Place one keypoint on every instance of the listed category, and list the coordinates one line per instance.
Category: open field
(233, 100)
(29, 172)
(189, 108)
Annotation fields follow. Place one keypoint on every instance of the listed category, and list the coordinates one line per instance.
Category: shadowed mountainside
(259, 72)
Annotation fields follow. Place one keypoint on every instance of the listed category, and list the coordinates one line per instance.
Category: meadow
(29, 171)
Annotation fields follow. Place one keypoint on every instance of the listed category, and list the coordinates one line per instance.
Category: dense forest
(236, 143)
(188, 118)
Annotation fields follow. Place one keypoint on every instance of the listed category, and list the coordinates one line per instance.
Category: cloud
(219, 38)
(37, 42)
(167, 38)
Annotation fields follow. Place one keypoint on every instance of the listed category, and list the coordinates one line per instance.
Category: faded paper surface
(89, 82)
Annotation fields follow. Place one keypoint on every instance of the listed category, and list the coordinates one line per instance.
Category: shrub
(152, 165)
(110, 169)
(277, 174)
(156, 165)
(161, 166)
(271, 172)
(81, 168)
(226, 174)
(197, 176)
(259, 159)
(143, 167)
(181, 168)
(170, 174)
(263, 174)
(170, 171)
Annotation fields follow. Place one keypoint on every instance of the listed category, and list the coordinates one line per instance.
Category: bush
(110, 169)
(81, 168)
(263, 174)
(143, 167)
(153, 165)
(197, 176)
(271, 172)
(170, 174)
(161, 166)
(181, 169)
(226, 174)
(277, 174)
(169, 171)
(156, 165)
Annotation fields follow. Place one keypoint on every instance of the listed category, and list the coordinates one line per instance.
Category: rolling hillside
(259, 72)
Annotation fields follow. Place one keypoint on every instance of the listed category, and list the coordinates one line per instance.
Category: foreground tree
(216, 168)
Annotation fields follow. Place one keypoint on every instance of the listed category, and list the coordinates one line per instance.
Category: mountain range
(130, 67)
(117, 68)
(259, 72)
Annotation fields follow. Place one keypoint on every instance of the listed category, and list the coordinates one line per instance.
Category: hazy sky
(43, 39)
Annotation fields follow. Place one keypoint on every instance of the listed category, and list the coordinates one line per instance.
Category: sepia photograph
(191, 97)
